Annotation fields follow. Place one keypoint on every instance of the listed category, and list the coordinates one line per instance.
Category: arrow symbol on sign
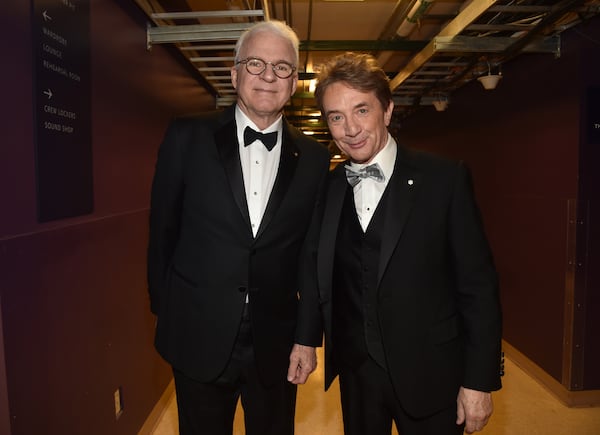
(46, 16)
(48, 93)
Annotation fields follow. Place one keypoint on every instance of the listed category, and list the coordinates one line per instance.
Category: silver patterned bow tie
(372, 171)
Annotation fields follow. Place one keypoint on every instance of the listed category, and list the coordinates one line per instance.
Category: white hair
(277, 27)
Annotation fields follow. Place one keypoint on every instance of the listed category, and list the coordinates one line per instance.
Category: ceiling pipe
(404, 18)
(399, 14)
(413, 17)
(266, 9)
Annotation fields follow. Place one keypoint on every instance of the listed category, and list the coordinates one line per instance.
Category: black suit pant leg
(204, 408)
(370, 405)
(209, 408)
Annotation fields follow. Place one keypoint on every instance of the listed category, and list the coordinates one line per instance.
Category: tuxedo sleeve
(477, 288)
(165, 211)
(309, 328)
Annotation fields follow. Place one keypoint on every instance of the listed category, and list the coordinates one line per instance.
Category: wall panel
(74, 308)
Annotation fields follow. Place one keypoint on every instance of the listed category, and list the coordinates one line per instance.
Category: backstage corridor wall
(74, 309)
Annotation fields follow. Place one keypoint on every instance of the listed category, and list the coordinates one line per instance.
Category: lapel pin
(411, 182)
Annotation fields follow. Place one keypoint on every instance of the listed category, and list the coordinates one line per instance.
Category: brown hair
(358, 71)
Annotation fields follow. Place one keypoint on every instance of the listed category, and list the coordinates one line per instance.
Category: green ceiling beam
(312, 75)
(379, 45)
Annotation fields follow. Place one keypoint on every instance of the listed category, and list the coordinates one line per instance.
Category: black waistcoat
(356, 333)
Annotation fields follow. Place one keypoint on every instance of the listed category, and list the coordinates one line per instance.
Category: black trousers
(369, 405)
(209, 408)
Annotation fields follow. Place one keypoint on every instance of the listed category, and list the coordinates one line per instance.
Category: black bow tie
(268, 139)
(372, 171)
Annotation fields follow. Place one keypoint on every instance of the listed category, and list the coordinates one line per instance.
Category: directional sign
(62, 109)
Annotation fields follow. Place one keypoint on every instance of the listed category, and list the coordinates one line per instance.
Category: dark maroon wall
(75, 313)
(522, 144)
(588, 279)
(17, 180)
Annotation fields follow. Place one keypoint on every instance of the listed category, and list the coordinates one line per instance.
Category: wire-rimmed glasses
(257, 66)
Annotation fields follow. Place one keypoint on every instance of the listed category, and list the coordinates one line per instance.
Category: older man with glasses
(236, 199)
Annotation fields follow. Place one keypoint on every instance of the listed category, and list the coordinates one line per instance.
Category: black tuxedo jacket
(438, 301)
(203, 258)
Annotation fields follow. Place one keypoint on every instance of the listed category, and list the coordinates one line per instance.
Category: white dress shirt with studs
(259, 167)
(368, 192)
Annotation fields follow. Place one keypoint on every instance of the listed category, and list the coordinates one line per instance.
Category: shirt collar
(386, 158)
(242, 121)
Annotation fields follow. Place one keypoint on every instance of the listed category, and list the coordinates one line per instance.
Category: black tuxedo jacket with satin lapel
(203, 259)
(438, 300)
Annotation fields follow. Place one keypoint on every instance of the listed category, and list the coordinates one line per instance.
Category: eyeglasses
(256, 66)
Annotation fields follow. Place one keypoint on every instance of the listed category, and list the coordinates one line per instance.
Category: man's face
(261, 97)
(356, 120)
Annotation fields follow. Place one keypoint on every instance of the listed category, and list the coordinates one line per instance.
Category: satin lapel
(285, 174)
(336, 192)
(227, 146)
(403, 187)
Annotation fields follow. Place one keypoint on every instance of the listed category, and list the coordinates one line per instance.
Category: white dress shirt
(368, 192)
(259, 167)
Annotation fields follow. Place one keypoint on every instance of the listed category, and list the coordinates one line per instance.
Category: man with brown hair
(408, 287)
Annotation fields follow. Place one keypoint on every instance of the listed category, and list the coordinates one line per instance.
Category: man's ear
(388, 113)
(294, 84)
(234, 77)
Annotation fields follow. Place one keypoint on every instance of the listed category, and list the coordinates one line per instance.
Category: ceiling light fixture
(440, 103)
(490, 81)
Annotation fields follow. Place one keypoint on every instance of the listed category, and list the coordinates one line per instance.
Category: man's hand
(303, 361)
(474, 408)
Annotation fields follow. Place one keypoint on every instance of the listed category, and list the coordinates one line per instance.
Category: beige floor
(522, 407)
